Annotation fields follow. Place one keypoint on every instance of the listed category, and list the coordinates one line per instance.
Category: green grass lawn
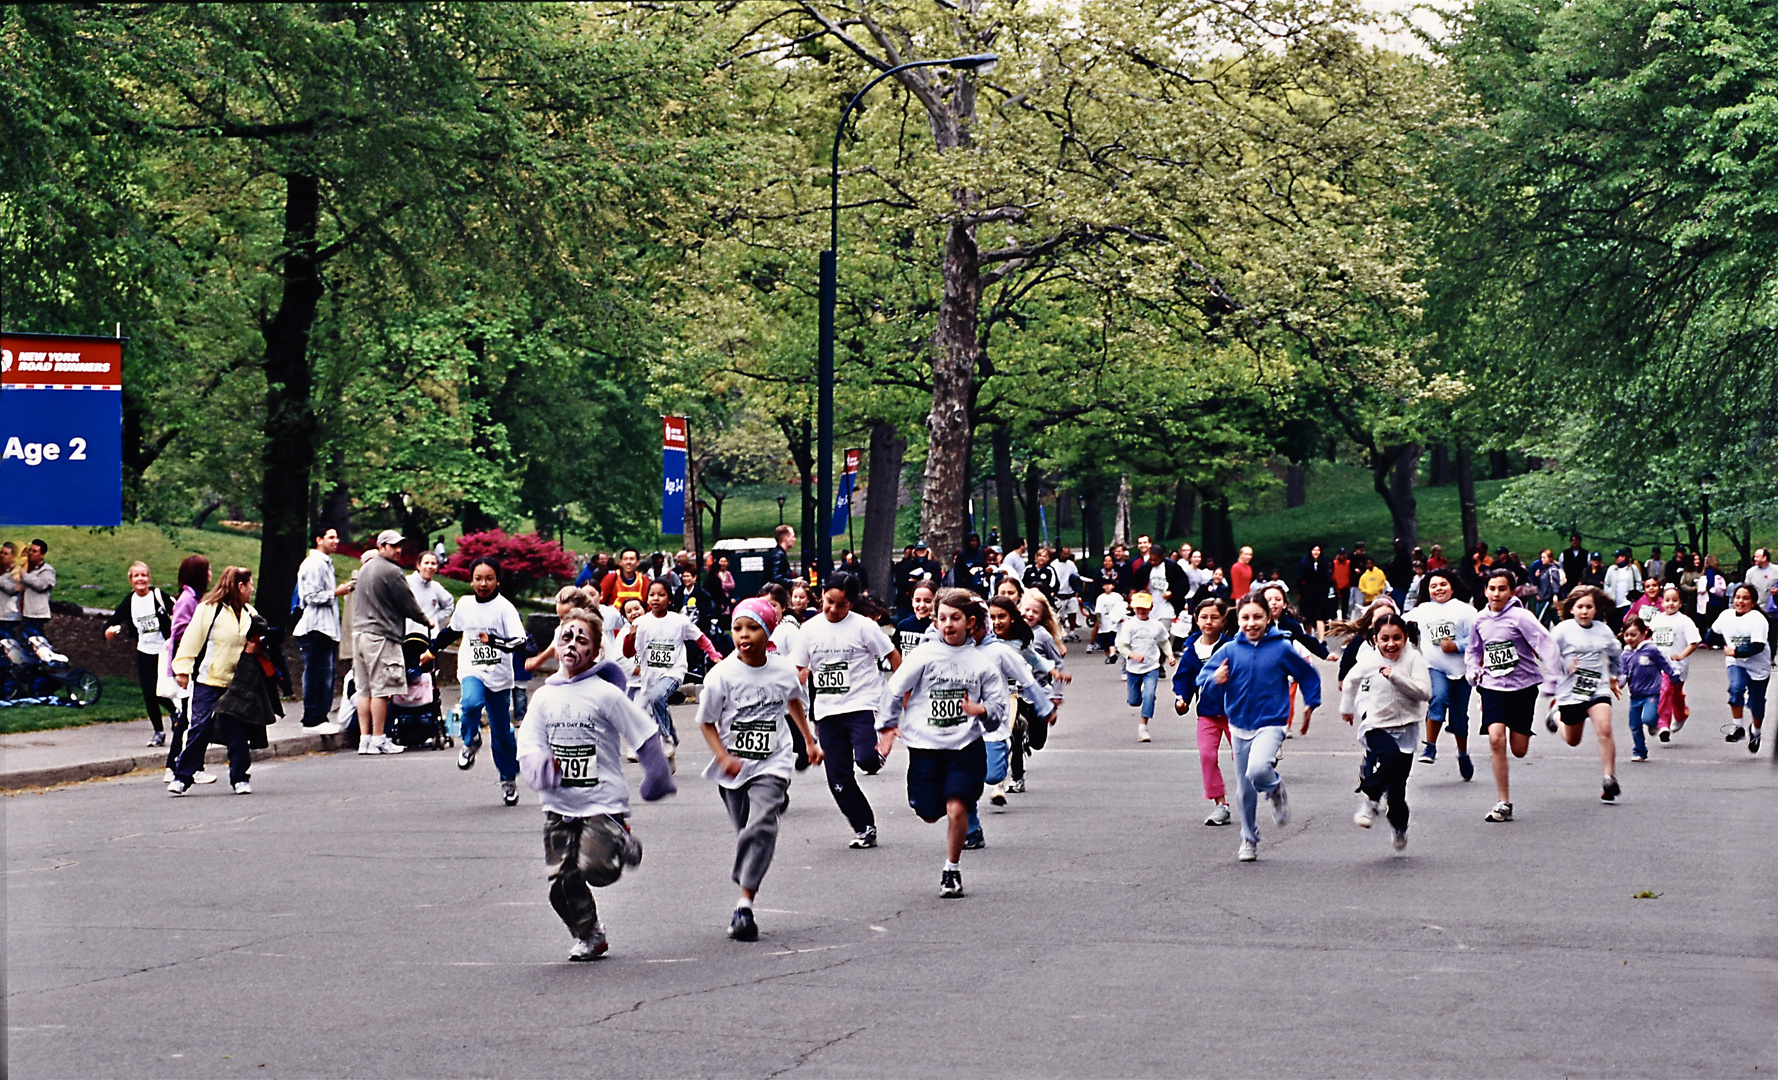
(120, 700)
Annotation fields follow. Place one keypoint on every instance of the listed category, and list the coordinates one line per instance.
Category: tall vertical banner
(842, 500)
(673, 446)
(61, 430)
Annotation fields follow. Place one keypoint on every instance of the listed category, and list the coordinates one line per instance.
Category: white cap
(389, 536)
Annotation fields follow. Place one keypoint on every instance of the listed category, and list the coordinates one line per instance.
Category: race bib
(832, 677)
(1665, 637)
(1736, 641)
(482, 654)
(1499, 657)
(579, 764)
(1442, 632)
(660, 654)
(1364, 685)
(1586, 680)
(947, 707)
(148, 626)
(752, 739)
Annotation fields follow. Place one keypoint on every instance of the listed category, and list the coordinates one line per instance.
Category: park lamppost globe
(981, 62)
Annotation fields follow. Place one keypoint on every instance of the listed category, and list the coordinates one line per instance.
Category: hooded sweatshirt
(1258, 691)
(1510, 650)
(934, 682)
(1185, 680)
(1643, 667)
(1376, 702)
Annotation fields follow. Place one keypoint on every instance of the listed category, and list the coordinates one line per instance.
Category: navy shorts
(1514, 708)
(937, 776)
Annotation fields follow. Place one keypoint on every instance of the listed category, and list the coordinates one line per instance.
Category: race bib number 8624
(1500, 657)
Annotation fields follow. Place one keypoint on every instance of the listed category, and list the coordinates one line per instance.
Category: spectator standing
(1574, 565)
(778, 568)
(1623, 583)
(625, 583)
(194, 582)
(145, 617)
(211, 646)
(11, 588)
(381, 605)
(317, 630)
(1763, 576)
(38, 578)
(1655, 567)
(434, 599)
(1241, 574)
(1014, 561)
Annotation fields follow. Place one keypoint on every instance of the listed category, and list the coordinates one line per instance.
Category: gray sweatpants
(754, 807)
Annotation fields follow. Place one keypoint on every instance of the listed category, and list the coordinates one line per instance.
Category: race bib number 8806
(947, 707)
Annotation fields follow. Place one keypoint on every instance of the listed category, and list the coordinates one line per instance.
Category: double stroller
(416, 716)
(32, 672)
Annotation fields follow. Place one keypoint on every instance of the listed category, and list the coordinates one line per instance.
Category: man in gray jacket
(381, 605)
(38, 579)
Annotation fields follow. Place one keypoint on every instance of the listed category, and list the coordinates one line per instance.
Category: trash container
(747, 561)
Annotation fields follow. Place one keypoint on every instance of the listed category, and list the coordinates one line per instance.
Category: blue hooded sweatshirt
(1185, 680)
(1258, 691)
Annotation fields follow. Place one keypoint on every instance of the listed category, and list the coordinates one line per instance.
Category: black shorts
(1517, 709)
(937, 776)
(1576, 714)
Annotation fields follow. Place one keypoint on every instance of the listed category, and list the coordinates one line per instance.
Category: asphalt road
(388, 917)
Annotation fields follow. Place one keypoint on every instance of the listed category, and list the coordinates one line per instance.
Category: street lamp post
(780, 509)
(829, 298)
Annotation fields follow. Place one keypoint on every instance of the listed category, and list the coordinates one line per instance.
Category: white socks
(743, 902)
(953, 866)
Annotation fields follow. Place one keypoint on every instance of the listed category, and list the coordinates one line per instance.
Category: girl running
(1109, 613)
(1254, 670)
(942, 702)
(1286, 622)
(1645, 669)
(658, 643)
(912, 631)
(1213, 721)
(1007, 642)
(1142, 642)
(1046, 641)
(1675, 634)
(1509, 656)
(742, 712)
(1590, 653)
(1742, 633)
(570, 754)
(1444, 623)
(491, 629)
(1387, 695)
(837, 653)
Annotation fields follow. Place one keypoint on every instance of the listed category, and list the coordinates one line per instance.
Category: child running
(1386, 695)
(1646, 670)
(1509, 655)
(1742, 632)
(1142, 642)
(491, 629)
(742, 711)
(659, 645)
(1109, 613)
(913, 631)
(1254, 670)
(1444, 623)
(570, 755)
(1590, 653)
(942, 702)
(1213, 721)
(1675, 634)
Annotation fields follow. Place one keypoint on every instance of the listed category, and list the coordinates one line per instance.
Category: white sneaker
(1249, 851)
(329, 727)
(177, 788)
(203, 778)
(167, 776)
(590, 947)
(1280, 806)
(1367, 813)
(386, 745)
(1142, 733)
(243, 788)
(366, 745)
(1218, 816)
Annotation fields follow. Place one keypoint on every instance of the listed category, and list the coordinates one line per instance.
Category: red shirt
(1240, 578)
(1342, 573)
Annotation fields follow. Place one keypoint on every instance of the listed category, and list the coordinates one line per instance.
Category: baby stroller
(416, 716)
(32, 672)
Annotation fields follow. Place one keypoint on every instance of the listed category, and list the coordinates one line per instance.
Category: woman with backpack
(205, 663)
(146, 618)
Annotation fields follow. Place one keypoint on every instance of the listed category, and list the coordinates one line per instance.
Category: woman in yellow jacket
(212, 646)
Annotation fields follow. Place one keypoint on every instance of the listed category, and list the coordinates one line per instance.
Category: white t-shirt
(842, 660)
(1067, 570)
(496, 618)
(1672, 634)
(147, 623)
(1145, 637)
(434, 599)
(660, 645)
(1111, 610)
(935, 680)
(749, 707)
(1743, 630)
(1762, 581)
(1014, 564)
(1451, 620)
(581, 724)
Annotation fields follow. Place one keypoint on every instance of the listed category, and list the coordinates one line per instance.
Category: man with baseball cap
(381, 605)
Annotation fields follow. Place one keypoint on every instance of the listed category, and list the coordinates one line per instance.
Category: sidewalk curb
(156, 759)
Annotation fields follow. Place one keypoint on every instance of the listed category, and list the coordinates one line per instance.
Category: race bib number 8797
(579, 765)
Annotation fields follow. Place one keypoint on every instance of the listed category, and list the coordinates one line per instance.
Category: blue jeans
(1450, 703)
(477, 697)
(320, 654)
(654, 702)
(1256, 755)
(1644, 711)
(1748, 692)
(1142, 690)
(204, 731)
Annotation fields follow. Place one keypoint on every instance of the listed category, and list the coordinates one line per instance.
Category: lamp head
(982, 62)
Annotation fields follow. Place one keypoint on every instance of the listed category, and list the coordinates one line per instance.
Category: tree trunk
(1162, 513)
(1120, 522)
(716, 520)
(1210, 539)
(1438, 469)
(1185, 508)
(1005, 489)
(1403, 511)
(1226, 523)
(290, 428)
(887, 445)
(1466, 498)
(1095, 515)
(1033, 504)
(336, 505)
(953, 382)
(204, 513)
(1497, 465)
(1064, 515)
(1293, 486)
(1691, 528)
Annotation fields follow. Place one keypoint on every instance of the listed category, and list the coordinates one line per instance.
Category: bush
(526, 560)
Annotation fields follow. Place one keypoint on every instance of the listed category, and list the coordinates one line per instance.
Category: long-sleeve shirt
(1510, 650)
(927, 692)
(382, 603)
(1192, 658)
(315, 583)
(1021, 674)
(1377, 702)
(37, 584)
(1589, 657)
(1258, 691)
(10, 588)
(183, 609)
(1643, 667)
(1146, 638)
(213, 643)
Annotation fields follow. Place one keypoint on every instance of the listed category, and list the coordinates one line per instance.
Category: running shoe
(1367, 813)
(386, 745)
(741, 926)
(367, 744)
(1400, 842)
(1679, 722)
(1015, 787)
(1639, 755)
(591, 947)
(950, 885)
(1550, 722)
(999, 796)
(243, 788)
(159, 738)
(201, 777)
(1736, 735)
(509, 793)
(975, 841)
(1428, 753)
(1609, 789)
(1109, 658)
(1665, 735)
(1218, 816)
(167, 776)
(1465, 768)
(177, 788)
(1753, 741)
(466, 756)
(1249, 851)
(1280, 806)
(865, 839)
(1142, 733)
(1503, 811)
(631, 855)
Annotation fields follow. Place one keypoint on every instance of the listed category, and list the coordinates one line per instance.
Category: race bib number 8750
(832, 677)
